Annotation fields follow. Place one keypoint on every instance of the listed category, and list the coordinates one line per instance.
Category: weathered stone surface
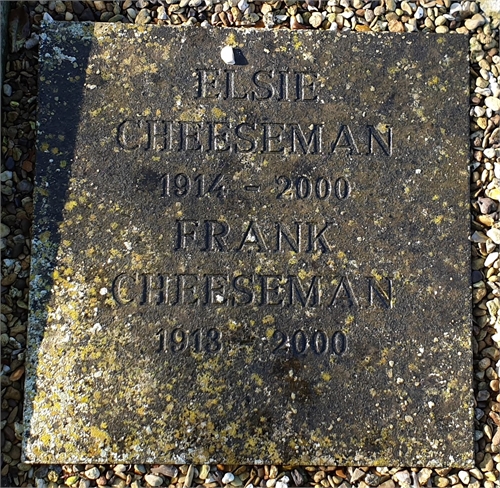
(258, 262)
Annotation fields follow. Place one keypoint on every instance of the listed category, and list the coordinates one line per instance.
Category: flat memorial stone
(259, 262)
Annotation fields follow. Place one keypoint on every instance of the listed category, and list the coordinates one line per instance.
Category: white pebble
(242, 5)
(92, 473)
(489, 153)
(103, 291)
(490, 259)
(479, 111)
(494, 235)
(153, 480)
(228, 477)
(464, 477)
(493, 103)
(227, 55)
(161, 13)
(455, 8)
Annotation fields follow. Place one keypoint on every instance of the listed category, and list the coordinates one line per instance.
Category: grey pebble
(4, 230)
(476, 276)
(483, 395)
(87, 14)
(161, 13)
(78, 8)
(24, 186)
(117, 18)
(143, 17)
(10, 163)
(486, 205)
(372, 479)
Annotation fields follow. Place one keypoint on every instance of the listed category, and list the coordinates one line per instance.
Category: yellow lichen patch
(46, 439)
(232, 325)
(268, 319)
(433, 81)
(99, 435)
(438, 220)
(231, 40)
(257, 379)
(218, 113)
(192, 115)
(302, 274)
(45, 236)
(96, 112)
(69, 206)
(297, 43)
(326, 376)
(349, 319)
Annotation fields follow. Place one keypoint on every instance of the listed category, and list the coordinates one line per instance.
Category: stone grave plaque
(258, 262)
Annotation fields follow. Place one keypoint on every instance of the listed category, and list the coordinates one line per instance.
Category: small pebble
(494, 235)
(227, 478)
(92, 473)
(143, 17)
(153, 480)
(476, 21)
(493, 103)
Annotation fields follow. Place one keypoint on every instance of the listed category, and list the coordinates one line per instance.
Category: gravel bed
(479, 19)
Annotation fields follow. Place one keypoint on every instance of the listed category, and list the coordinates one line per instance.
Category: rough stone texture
(177, 315)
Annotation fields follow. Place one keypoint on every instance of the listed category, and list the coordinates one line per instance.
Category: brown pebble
(12, 394)
(27, 166)
(18, 373)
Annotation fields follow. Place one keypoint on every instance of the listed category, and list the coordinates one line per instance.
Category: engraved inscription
(183, 185)
(297, 343)
(222, 136)
(219, 236)
(180, 340)
(262, 290)
(302, 342)
(303, 187)
(262, 85)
